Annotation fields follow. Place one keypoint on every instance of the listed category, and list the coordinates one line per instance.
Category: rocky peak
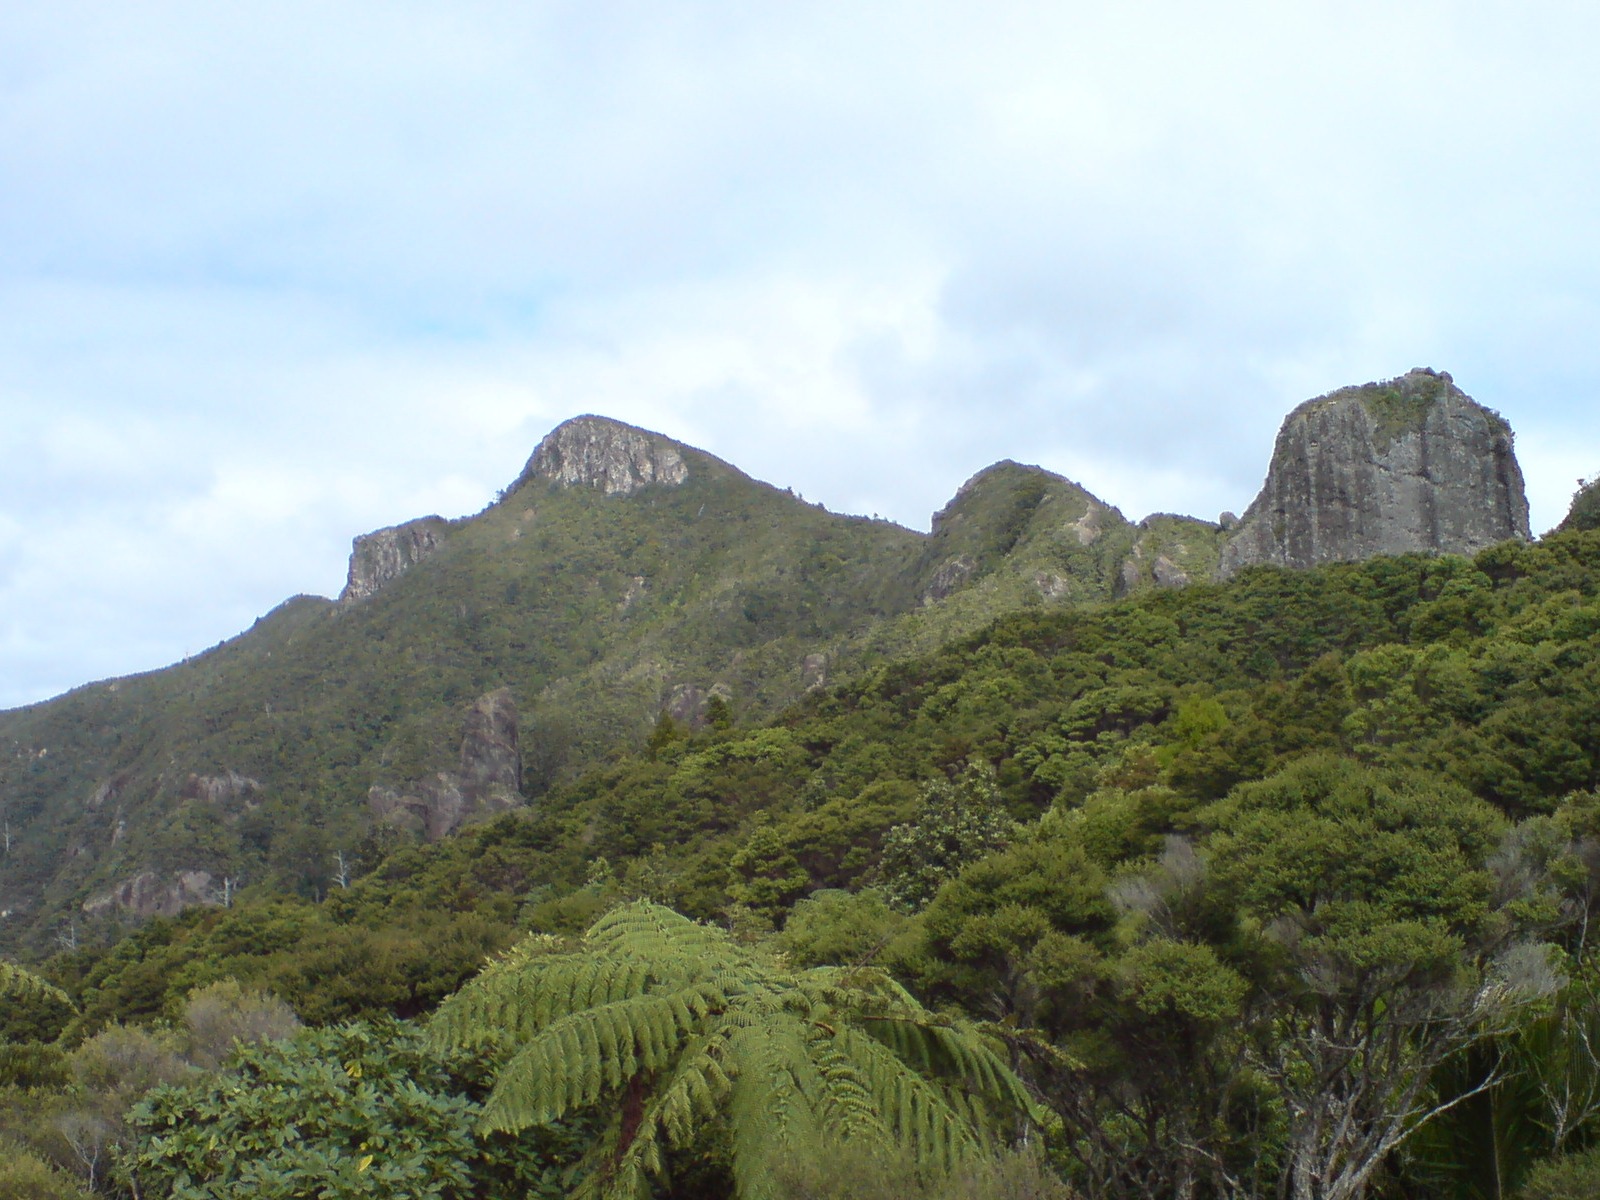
(380, 557)
(1410, 464)
(601, 453)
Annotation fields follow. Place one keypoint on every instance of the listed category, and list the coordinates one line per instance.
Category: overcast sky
(272, 275)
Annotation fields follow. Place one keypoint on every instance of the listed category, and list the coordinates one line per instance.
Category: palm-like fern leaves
(685, 1026)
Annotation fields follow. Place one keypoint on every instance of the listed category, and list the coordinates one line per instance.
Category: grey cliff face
(600, 453)
(1413, 464)
(148, 894)
(380, 557)
(490, 759)
(488, 779)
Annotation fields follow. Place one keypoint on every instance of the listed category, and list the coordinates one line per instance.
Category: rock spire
(1411, 464)
(601, 453)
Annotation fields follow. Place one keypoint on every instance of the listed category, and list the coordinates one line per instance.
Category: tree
(26, 1176)
(958, 823)
(1126, 1027)
(33, 1007)
(19, 983)
(1568, 1177)
(681, 1027)
(1365, 917)
(1585, 510)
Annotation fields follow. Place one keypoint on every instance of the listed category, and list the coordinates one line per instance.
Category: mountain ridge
(623, 578)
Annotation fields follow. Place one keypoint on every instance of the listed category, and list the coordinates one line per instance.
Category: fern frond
(847, 1112)
(770, 1111)
(695, 1026)
(916, 1111)
(518, 999)
(695, 1090)
(571, 1063)
(648, 929)
(937, 1047)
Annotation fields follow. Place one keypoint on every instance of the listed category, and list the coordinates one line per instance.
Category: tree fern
(679, 1026)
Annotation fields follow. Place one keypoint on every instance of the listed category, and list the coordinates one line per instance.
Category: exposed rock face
(1091, 525)
(488, 778)
(601, 453)
(1015, 524)
(1051, 586)
(1170, 551)
(952, 573)
(231, 788)
(1413, 464)
(490, 758)
(149, 895)
(814, 671)
(1167, 573)
(109, 790)
(384, 555)
(688, 703)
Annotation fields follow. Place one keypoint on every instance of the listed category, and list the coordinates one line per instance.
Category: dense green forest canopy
(1277, 887)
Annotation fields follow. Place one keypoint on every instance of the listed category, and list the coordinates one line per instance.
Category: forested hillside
(1275, 887)
(587, 607)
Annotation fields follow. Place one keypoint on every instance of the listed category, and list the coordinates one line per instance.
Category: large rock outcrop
(149, 894)
(380, 557)
(487, 781)
(601, 453)
(1412, 464)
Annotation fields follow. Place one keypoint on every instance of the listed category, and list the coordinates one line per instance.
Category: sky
(274, 275)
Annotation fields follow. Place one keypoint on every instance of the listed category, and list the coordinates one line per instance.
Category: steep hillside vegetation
(598, 592)
(1159, 842)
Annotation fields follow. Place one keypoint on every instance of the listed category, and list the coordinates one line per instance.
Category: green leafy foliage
(957, 823)
(682, 1028)
(1255, 863)
(33, 1008)
(1568, 1177)
(846, 1172)
(26, 1176)
(1585, 511)
(1366, 912)
(354, 1110)
(20, 985)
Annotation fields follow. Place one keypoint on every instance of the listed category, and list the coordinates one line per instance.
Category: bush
(26, 1176)
(1585, 511)
(1569, 1177)
(351, 1111)
(223, 1014)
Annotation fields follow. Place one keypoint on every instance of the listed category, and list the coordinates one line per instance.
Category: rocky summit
(382, 556)
(1411, 464)
(601, 453)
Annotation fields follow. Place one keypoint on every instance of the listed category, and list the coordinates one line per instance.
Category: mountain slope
(623, 578)
(620, 577)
